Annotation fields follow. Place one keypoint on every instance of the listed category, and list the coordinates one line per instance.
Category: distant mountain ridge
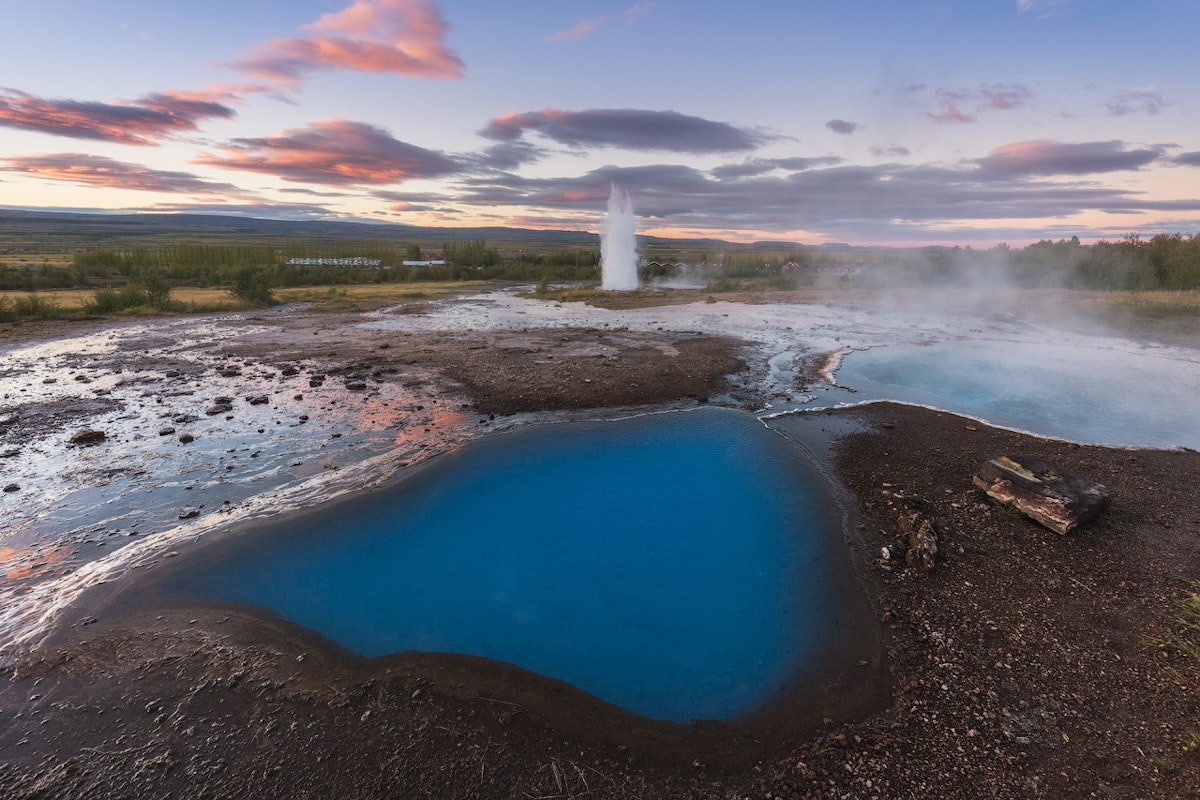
(82, 223)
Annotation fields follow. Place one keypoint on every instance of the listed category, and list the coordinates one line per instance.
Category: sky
(892, 122)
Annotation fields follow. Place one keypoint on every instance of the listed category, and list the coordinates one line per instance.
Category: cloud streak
(627, 128)
(1045, 8)
(965, 105)
(145, 121)
(1044, 157)
(398, 37)
(842, 127)
(586, 27)
(333, 152)
(1136, 101)
(1024, 180)
(106, 173)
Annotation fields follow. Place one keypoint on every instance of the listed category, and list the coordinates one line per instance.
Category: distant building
(356, 261)
(423, 263)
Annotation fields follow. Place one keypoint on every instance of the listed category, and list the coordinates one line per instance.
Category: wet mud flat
(200, 417)
(1023, 664)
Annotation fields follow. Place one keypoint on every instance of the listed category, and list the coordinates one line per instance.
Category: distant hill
(109, 225)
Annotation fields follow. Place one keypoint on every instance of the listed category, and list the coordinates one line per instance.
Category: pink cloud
(332, 152)
(1048, 157)
(587, 26)
(145, 121)
(401, 37)
(964, 105)
(106, 173)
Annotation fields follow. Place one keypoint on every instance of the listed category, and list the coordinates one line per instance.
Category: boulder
(1051, 496)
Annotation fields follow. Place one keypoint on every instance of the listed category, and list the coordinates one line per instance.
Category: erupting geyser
(618, 250)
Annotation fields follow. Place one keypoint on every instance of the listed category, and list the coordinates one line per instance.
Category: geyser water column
(618, 249)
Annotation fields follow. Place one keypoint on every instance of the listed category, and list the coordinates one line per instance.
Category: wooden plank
(1054, 497)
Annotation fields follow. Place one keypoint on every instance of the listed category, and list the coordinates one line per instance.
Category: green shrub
(723, 285)
(34, 305)
(253, 285)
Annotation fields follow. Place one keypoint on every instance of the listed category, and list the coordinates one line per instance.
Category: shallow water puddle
(671, 564)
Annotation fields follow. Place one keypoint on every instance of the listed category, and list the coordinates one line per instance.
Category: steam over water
(618, 247)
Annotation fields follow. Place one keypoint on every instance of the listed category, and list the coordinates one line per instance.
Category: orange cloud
(333, 152)
(106, 173)
(401, 37)
(145, 121)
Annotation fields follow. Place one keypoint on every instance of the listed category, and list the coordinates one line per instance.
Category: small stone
(187, 438)
(188, 512)
(88, 437)
(12, 487)
(261, 399)
(166, 431)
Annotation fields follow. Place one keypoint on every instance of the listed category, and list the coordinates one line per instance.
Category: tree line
(1164, 261)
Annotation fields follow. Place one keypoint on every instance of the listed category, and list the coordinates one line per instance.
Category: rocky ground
(1023, 664)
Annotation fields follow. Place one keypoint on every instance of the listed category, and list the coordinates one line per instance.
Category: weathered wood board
(1053, 497)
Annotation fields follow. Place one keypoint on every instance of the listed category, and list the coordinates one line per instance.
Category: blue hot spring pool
(1102, 394)
(673, 565)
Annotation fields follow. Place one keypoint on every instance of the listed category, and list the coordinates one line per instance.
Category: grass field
(68, 302)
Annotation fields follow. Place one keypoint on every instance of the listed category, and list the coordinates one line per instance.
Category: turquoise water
(1101, 394)
(669, 564)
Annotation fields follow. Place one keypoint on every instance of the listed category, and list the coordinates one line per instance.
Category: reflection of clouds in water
(94, 510)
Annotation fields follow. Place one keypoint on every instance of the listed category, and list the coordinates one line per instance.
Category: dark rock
(356, 385)
(166, 431)
(217, 409)
(188, 513)
(261, 399)
(316, 380)
(187, 438)
(88, 437)
(922, 540)
(230, 372)
(1054, 497)
(12, 487)
(289, 371)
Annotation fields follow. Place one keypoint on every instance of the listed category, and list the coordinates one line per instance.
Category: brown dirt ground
(1023, 665)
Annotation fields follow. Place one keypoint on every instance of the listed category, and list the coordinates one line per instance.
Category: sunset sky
(880, 122)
